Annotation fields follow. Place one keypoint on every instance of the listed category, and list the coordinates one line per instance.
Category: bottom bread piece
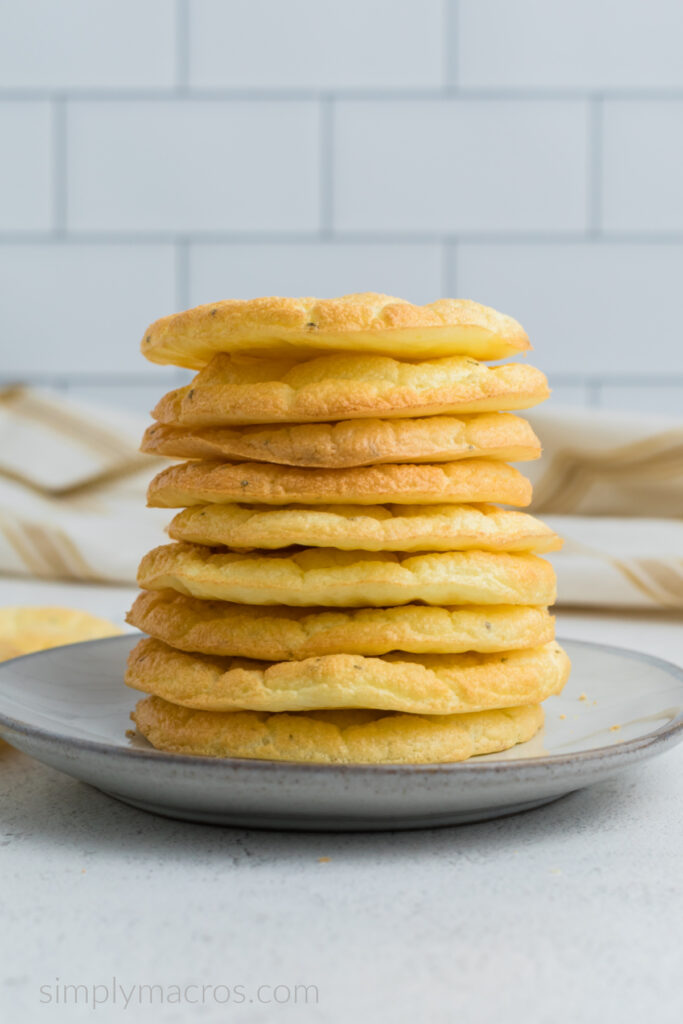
(334, 737)
(428, 684)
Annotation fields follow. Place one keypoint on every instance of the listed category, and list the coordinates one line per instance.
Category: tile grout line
(326, 127)
(450, 15)
(182, 46)
(595, 160)
(182, 273)
(369, 95)
(59, 168)
(594, 393)
(341, 237)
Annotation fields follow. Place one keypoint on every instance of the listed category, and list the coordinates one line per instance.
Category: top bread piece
(364, 322)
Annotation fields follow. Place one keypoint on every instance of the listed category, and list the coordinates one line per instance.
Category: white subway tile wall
(357, 44)
(184, 166)
(87, 44)
(595, 309)
(80, 308)
(575, 44)
(460, 166)
(643, 165)
(315, 268)
(525, 153)
(25, 172)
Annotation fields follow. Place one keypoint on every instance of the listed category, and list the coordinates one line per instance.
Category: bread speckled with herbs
(467, 481)
(364, 322)
(349, 443)
(237, 390)
(421, 684)
(312, 577)
(364, 527)
(278, 633)
(334, 737)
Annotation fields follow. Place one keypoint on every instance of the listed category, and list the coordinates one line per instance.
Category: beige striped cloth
(72, 490)
(611, 484)
(72, 498)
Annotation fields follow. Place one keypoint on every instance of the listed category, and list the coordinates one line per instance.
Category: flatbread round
(334, 737)
(353, 442)
(365, 322)
(421, 684)
(325, 577)
(274, 633)
(364, 527)
(235, 390)
(25, 629)
(470, 480)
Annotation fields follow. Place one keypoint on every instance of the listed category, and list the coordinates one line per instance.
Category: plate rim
(648, 740)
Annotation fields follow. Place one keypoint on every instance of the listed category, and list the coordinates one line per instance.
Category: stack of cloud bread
(343, 585)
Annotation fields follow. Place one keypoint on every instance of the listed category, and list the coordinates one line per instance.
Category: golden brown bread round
(334, 737)
(421, 684)
(311, 577)
(235, 390)
(24, 629)
(276, 633)
(351, 443)
(470, 480)
(364, 527)
(365, 322)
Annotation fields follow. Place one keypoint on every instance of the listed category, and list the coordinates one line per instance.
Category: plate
(69, 708)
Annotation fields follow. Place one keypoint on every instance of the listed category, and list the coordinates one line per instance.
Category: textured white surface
(570, 913)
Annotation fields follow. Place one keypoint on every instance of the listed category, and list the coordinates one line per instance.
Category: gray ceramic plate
(69, 708)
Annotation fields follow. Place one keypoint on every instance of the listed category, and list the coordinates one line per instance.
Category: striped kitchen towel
(611, 484)
(72, 489)
(72, 498)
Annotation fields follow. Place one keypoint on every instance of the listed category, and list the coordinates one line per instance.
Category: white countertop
(570, 913)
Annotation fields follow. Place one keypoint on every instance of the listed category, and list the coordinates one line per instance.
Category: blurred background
(162, 153)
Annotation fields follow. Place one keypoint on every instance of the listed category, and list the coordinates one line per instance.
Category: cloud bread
(237, 390)
(286, 634)
(365, 322)
(353, 442)
(334, 737)
(427, 684)
(312, 577)
(364, 527)
(27, 629)
(470, 480)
